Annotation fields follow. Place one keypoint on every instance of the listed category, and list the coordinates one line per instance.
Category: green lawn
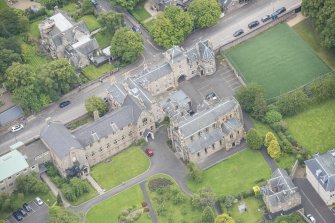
(31, 55)
(314, 129)
(33, 28)
(91, 22)
(285, 161)
(182, 212)
(82, 121)
(307, 31)
(87, 196)
(140, 13)
(92, 72)
(261, 127)
(113, 173)
(70, 8)
(111, 209)
(104, 39)
(235, 174)
(251, 215)
(278, 59)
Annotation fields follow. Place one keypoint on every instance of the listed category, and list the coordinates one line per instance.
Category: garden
(279, 60)
(113, 172)
(127, 206)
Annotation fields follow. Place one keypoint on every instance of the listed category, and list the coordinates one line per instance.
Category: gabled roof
(117, 92)
(176, 54)
(59, 139)
(206, 53)
(323, 169)
(153, 75)
(205, 141)
(12, 163)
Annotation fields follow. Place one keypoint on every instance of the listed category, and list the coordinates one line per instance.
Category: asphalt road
(218, 34)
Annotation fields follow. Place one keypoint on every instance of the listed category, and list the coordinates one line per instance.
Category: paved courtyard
(39, 214)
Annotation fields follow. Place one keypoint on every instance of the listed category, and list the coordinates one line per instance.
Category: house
(280, 194)
(12, 165)
(160, 5)
(320, 172)
(62, 37)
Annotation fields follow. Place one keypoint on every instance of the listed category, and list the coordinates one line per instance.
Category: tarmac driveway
(38, 215)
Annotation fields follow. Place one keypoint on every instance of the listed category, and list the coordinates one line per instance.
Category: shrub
(272, 116)
(146, 209)
(158, 183)
(144, 204)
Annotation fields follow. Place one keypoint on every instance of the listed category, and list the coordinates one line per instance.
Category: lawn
(149, 25)
(31, 54)
(81, 121)
(278, 60)
(251, 215)
(285, 161)
(70, 8)
(92, 72)
(307, 31)
(104, 39)
(166, 210)
(111, 209)
(33, 28)
(140, 13)
(261, 127)
(314, 128)
(91, 22)
(235, 174)
(113, 173)
(87, 196)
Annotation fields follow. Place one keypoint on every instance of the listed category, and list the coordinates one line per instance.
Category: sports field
(278, 59)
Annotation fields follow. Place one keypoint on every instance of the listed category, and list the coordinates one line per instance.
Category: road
(218, 34)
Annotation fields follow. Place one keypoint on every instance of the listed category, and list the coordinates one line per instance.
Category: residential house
(320, 172)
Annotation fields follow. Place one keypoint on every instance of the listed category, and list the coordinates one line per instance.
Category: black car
(64, 104)
(280, 11)
(238, 33)
(253, 24)
(27, 207)
(136, 29)
(17, 216)
(22, 212)
(265, 18)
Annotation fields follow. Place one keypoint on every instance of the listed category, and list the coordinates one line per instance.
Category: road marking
(314, 207)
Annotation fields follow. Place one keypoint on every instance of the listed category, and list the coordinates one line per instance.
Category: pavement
(37, 215)
(147, 200)
(268, 159)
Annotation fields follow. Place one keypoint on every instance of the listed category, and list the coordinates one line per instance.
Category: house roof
(206, 53)
(61, 22)
(10, 115)
(206, 117)
(86, 45)
(323, 169)
(206, 140)
(153, 75)
(117, 92)
(59, 139)
(176, 54)
(12, 163)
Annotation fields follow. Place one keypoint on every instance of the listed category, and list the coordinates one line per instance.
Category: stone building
(279, 194)
(320, 172)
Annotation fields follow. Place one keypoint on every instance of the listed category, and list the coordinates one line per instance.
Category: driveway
(312, 202)
(38, 215)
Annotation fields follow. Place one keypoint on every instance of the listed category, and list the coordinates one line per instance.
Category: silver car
(17, 127)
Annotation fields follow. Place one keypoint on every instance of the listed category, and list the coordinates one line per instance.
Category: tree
(274, 149)
(95, 103)
(292, 103)
(19, 75)
(254, 139)
(272, 116)
(30, 184)
(224, 218)
(127, 45)
(162, 31)
(252, 100)
(7, 58)
(87, 8)
(58, 77)
(268, 138)
(207, 215)
(194, 172)
(127, 4)
(60, 215)
(324, 88)
(229, 201)
(203, 198)
(12, 22)
(110, 22)
(205, 13)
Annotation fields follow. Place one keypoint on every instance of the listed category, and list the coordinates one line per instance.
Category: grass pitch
(279, 60)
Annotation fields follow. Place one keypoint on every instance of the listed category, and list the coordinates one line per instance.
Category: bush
(146, 209)
(159, 183)
(35, 15)
(272, 116)
(144, 204)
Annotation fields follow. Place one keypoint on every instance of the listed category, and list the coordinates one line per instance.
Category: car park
(253, 24)
(27, 207)
(266, 18)
(211, 96)
(311, 218)
(39, 201)
(149, 152)
(17, 216)
(22, 212)
(64, 104)
(238, 33)
(17, 127)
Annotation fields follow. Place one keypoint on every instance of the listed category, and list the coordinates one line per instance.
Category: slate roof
(205, 141)
(177, 104)
(176, 54)
(118, 93)
(192, 54)
(138, 91)
(154, 74)
(86, 45)
(10, 115)
(206, 53)
(206, 118)
(59, 139)
(323, 168)
(12, 163)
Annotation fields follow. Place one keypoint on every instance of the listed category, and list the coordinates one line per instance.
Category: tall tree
(203, 198)
(19, 75)
(60, 215)
(162, 32)
(194, 172)
(207, 215)
(12, 22)
(274, 149)
(95, 103)
(127, 4)
(292, 103)
(224, 218)
(7, 58)
(127, 45)
(254, 139)
(110, 22)
(87, 8)
(205, 13)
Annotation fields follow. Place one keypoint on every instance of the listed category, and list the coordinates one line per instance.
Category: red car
(149, 152)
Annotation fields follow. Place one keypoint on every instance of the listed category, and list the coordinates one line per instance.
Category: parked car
(211, 96)
(17, 216)
(17, 127)
(238, 33)
(64, 104)
(253, 24)
(266, 18)
(280, 11)
(27, 207)
(136, 29)
(39, 201)
(149, 152)
(311, 218)
(22, 212)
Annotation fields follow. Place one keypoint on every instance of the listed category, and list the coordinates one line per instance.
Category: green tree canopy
(272, 116)
(12, 22)
(95, 103)
(7, 58)
(224, 218)
(324, 88)
(207, 215)
(203, 198)
(30, 184)
(127, 45)
(205, 13)
(60, 215)
(268, 138)
(163, 32)
(274, 149)
(254, 139)
(127, 4)
(19, 75)
(194, 172)
(292, 103)
(87, 8)
(110, 22)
